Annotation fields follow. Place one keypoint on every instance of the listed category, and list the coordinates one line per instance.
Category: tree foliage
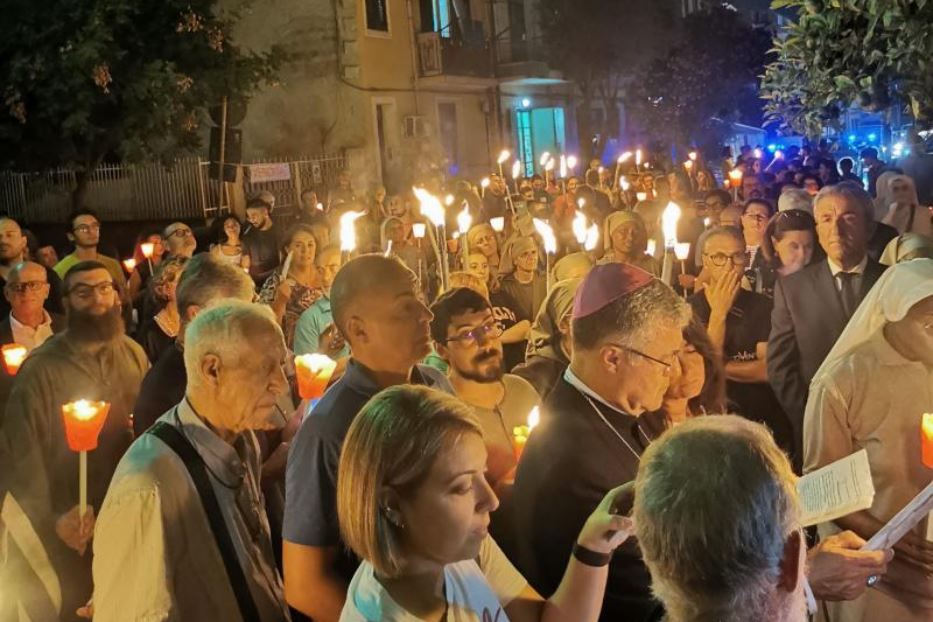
(597, 43)
(87, 80)
(707, 79)
(839, 53)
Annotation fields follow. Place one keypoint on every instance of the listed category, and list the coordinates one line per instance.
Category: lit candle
(497, 224)
(692, 155)
(419, 229)
(669, 219)
(637, 159)
(641, 196)
(516, 172)
(432, 209)
(348, 233)
(543, 162)
(926, 439)
(147, 249)
(464, 220)
(550, 246)
(13, 356)
(735, 180)
(520, 433)
(689, 166)
(563, 167)
(571, 163)
(652, 248)
(579, 227)
(622, 158)
(129, 265)
(682, 251)
(314, 372)
(503, 156)
(592, 238)
(84, 420)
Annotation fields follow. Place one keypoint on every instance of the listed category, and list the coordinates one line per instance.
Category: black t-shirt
(503, 310)
(747, 325)
(162, 388)
(263, 250)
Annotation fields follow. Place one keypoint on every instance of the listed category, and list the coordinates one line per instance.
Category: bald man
(377, 308)
(12, 253)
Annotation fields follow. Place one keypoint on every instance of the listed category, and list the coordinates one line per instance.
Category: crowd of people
(592, 427)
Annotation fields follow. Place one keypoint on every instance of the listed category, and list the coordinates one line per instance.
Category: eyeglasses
(667, 366)
(87, 228)
(27, 286)
(491, 330)
(87, 291)
(180, 233)
(755, 217)
(721, 259)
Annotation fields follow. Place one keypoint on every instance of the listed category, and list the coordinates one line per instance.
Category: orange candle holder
(84, 420)
(13, 357)
(926, 440)
(520, 433)
(314, 372)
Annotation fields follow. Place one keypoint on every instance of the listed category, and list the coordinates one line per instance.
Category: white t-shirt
(476, 592)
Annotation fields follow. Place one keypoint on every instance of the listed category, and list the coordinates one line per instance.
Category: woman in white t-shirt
(414, 504)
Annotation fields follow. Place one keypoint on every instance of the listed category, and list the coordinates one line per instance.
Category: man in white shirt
(28, 324)
(157, 530)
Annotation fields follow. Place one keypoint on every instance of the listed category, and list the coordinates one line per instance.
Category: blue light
(526, 103)
(851, 138)
(772, 148)
(872, 137)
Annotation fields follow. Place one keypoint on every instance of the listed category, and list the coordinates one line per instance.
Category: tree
(707, 79)
(87, 80)
(597, 43)
(871, 53)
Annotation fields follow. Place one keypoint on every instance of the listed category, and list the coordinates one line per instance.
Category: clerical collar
(580, 386)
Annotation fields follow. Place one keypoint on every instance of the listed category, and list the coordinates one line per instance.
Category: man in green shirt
(84, 233)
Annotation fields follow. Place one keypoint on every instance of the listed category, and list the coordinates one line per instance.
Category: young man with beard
(467, 336)
(92, 359)
(261, 241)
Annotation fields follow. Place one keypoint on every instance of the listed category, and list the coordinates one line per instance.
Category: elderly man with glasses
(627, 332)
(179, 240)
(92, 359)
(468, 338)
(739, 322)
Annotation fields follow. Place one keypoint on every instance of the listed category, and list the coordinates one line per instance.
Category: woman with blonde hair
(413, 503)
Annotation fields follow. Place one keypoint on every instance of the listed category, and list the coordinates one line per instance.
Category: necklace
(612, 427)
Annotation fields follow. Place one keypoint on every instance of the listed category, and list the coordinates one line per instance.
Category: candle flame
(449, 200)
(431, 208)
(484, 182)
(348, 230)
(692, 155)
(534, 418)
(516, 169)
(682, 250)
(625, 157)
(129, 264)
(571, 162)
(669, 219)
(652, 248)
(503, 156)
(623, 183)
(550, 165)
(778, 155)
(545, 157)
(735, 175)
(688, 164)
(83, 410)
(706, 222)
(464, 220)
(147, 249)
(315, 362)
(592, 237)
(419, 229)
(497, 224)
(758, 153)
(926, 440)
(14, 354)
(547, 235)
(641, 196)
(563, 166)
(319, 207)
(638, 157)
(579, 226)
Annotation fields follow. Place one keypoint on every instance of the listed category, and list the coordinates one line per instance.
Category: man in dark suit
(812, 307)
(28, 323)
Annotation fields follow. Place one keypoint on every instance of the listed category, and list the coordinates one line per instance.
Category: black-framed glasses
(666, 365)
(86, 291)
(721, 259)
(490, 330)
(27, 286)
(95, 226)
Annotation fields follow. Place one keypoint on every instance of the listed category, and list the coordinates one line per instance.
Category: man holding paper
(889, 341)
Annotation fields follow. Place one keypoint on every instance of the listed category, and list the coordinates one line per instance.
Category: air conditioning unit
(415, 126)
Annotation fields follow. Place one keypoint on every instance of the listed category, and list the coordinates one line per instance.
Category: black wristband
(590, 557)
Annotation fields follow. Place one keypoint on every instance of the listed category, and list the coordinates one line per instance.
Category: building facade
(407, 88)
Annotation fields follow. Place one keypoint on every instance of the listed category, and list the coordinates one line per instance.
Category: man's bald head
(27, 271)
(359, 278)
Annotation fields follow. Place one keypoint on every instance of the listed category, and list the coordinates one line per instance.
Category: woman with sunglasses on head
(414, 504)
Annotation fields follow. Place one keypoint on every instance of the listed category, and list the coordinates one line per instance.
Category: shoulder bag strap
(172, 437)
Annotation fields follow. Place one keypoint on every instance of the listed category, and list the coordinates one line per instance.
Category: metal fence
(140, 192)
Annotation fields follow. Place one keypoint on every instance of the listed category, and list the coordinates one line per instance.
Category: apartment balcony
(524, 61)
(448, 57)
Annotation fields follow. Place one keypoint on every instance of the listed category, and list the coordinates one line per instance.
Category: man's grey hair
(795, 198)
(206, 278)
(715, 502)
(228, 329)
(15, 272)
(632, 320)
(851, 192)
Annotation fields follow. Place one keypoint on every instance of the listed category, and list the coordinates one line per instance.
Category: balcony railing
(445, 56)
